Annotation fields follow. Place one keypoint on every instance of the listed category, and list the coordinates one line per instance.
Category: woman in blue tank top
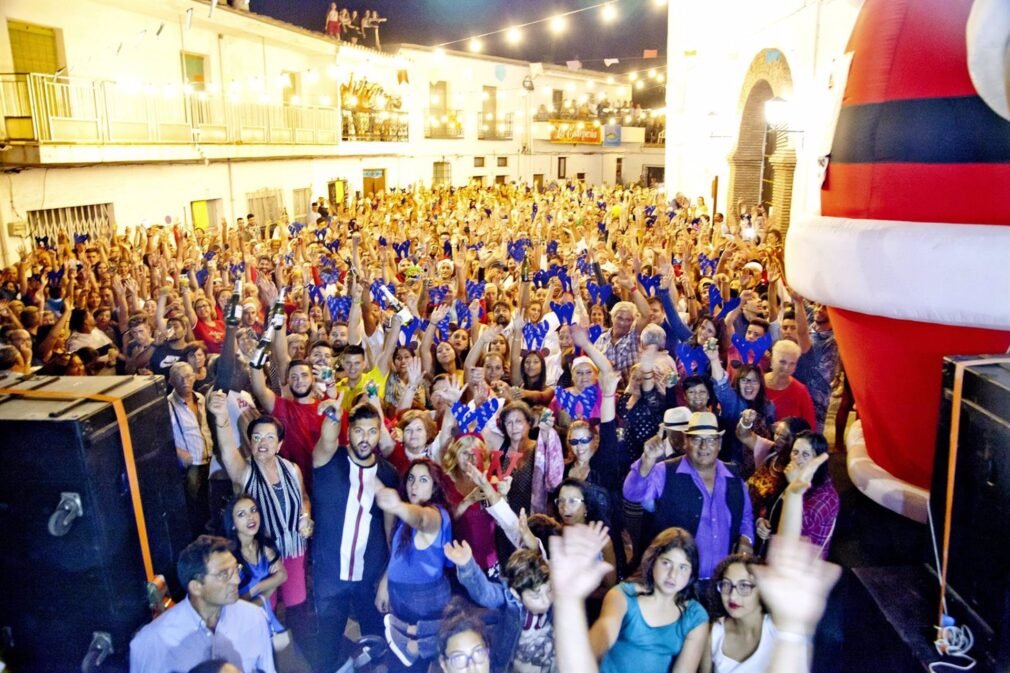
(651, 622)
(415, 580)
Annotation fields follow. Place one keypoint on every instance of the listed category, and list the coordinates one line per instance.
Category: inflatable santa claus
(912, 249)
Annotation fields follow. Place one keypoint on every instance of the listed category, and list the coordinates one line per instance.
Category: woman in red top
(207, 327)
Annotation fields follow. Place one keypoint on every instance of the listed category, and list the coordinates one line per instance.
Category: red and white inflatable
(912, 249)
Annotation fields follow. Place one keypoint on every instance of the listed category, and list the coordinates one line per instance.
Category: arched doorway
(763, 162)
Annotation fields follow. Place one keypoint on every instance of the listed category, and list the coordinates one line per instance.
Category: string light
(608, 13)
(558, 24)
(475, 45)
(513, 36)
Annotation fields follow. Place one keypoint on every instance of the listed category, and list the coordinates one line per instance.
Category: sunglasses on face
(577, 442)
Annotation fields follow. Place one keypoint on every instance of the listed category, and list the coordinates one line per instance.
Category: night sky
(640, 25)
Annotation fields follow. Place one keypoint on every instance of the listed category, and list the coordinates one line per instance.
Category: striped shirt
(349, 543)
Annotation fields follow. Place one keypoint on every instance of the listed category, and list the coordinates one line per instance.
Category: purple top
(712, 536)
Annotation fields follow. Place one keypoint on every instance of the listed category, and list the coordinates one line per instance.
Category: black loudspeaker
(72, 578)
(979, 565)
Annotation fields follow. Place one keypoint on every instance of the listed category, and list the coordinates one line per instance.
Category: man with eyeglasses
(210, 623)
(696, 492)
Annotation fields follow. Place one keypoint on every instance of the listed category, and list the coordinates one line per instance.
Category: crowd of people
(345, 25)
(471, 419)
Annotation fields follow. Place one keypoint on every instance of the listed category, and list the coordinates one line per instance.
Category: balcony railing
(443, 124)
(494, 127)
(375, 126)
(48, 109)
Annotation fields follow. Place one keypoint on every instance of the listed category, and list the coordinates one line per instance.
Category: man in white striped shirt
(350, 546)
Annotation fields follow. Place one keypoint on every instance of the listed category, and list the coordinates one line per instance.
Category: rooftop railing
(48, 109)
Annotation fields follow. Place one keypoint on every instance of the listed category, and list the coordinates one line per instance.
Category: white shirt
(179, 640)
(190, 431)
(756, 663)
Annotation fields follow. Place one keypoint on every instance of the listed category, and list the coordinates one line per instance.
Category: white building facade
(117, 114)
(727, 60)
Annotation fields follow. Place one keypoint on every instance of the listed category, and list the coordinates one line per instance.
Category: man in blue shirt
(210, 623)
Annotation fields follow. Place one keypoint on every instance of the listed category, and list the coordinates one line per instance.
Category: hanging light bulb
(608, 13)
(513, 36)
(475, 45)
(558, 24)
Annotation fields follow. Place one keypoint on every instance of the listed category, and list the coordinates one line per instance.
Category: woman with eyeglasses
(815, 497)
(277, 486)
(743, 635)
(578, 502)
(462, 643)
(747, 391)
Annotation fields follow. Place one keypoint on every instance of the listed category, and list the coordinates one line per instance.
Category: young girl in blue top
(652, 621)
(415, 577)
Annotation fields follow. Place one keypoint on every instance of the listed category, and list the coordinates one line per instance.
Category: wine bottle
(233, 313)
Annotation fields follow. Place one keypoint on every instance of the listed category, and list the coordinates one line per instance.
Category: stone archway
(759, 155)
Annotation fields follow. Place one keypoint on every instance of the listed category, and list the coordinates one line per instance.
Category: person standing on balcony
(333, 22)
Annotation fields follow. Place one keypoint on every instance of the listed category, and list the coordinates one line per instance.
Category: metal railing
(494, 127)
(44, 108)
(375, 126)
(443, 124)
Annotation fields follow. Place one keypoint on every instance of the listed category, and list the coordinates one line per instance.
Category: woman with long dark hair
(262, 569)
(652, 624)
(743, 635)
(415, 576)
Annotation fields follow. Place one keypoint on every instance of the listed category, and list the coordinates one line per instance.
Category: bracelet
(746, 427)
(790, 637)
(222, 425)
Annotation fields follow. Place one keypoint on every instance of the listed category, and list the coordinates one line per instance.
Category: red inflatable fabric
(895, 369)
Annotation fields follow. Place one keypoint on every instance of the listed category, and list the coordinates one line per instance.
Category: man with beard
(350, 545)
(299, 415)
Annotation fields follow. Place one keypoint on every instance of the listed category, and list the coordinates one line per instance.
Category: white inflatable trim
(878, 484)
(949, 274)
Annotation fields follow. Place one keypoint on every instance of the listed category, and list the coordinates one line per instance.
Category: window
(33, 48)
(489, 107)
(558, 101)
(303, 204)
(438, 93)
(292, 82)
(441, 173)
(265, 204)
(503, 162)
(193, 70)
(500, 179)
(96, 220)
(617, 172)
(580, 176)
(562, 167)
(478, 162)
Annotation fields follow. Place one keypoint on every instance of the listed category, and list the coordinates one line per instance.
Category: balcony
(494, 127)
(44, 109)
(443, 124)
(375, 126)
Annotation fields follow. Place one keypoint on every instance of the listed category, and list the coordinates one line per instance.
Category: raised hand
(800, 478)
(217, 404)
(458, 552)
(795, 584)
(387, 499)
(576, 568)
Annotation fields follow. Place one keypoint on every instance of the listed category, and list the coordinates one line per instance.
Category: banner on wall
(571, 133)
(611, 135)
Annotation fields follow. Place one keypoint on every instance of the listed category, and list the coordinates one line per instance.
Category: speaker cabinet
(979, 566)
(71, 565)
